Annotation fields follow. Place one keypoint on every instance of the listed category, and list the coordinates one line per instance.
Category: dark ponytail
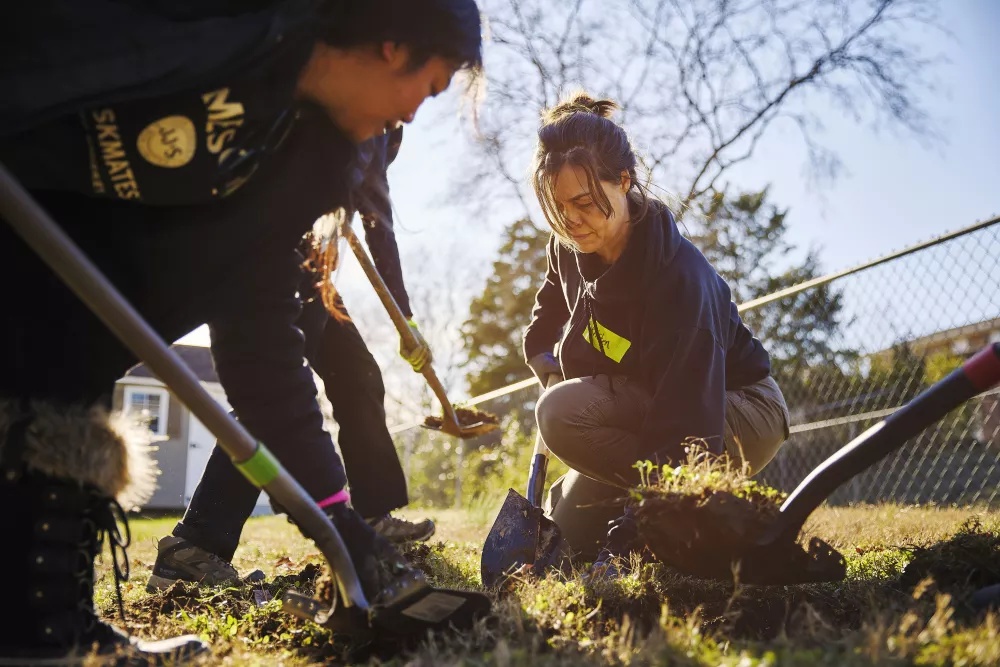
(579, 131)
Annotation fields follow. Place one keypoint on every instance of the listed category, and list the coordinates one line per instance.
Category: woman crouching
(651, 349)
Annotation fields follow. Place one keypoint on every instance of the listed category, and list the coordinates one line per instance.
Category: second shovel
(522, 534)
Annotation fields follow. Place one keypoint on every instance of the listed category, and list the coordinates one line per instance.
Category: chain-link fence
(850, 348)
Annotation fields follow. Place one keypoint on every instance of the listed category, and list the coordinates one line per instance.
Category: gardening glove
(419, 355)
(543, 365)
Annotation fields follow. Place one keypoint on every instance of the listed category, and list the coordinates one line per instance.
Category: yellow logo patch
(615, 346)
(169, 142)
(225, 117)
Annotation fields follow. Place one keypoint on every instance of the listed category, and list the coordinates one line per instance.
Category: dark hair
(580, 132)
(451, 29)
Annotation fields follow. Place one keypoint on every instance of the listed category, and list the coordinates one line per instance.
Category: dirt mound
(969, 560)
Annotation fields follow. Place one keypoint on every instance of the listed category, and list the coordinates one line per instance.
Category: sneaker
(180, 560)
(400, 531)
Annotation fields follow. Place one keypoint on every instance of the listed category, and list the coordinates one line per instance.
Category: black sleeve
(689, 400)
(548, 317)
(375, 208)
(259, 356)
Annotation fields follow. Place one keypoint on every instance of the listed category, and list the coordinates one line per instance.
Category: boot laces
(109, 517)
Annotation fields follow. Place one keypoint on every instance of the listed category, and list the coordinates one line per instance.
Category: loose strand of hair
(324, 259)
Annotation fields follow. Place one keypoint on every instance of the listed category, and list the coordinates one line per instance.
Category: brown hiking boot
(180, 560)
(401, 531)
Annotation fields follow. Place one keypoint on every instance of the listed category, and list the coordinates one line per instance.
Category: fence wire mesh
(850, 350)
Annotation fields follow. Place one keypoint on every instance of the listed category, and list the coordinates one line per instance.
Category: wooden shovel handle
(399, 320)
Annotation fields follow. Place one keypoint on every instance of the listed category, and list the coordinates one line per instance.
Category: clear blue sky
(893, 191)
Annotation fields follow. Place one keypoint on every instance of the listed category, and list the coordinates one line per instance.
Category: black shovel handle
(976, 375)
(536, 479)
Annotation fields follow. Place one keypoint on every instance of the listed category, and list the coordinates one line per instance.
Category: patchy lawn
(888, 611)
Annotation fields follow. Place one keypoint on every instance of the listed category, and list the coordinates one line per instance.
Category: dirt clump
(465, 416)
(701, 517)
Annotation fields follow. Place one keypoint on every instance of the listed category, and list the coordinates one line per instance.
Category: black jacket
(663, 317)
(371, 198)
(228, 258)
(60, 56)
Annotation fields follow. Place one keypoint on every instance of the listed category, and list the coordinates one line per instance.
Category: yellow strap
(615, 346)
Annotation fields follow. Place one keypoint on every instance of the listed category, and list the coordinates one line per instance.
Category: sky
(894, 190)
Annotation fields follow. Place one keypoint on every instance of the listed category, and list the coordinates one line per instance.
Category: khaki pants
(595, 432)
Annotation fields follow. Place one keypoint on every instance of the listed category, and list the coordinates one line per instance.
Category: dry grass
(652, 617)
(881, 525)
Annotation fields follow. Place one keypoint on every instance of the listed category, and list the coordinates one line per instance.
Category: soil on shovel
(705, 509)
(465, 416)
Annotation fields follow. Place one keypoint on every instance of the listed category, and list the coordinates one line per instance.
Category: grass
(887, 612)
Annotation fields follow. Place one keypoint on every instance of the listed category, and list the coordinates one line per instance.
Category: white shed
(184, 443)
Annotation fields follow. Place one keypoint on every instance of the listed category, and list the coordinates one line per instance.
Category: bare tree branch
(701, 83)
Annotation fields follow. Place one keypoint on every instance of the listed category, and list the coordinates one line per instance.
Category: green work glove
(419, 355)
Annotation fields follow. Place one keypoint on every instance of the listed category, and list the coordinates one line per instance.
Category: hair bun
(581, 102)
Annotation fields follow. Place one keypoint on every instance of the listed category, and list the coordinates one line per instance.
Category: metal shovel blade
(416, 609)
(521, 535)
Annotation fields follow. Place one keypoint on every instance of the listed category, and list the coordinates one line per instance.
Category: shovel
(711, 541)
(450, 424)
(412, 608)
(522, 534)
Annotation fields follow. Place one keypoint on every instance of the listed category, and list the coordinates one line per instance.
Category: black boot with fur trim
(60, 475)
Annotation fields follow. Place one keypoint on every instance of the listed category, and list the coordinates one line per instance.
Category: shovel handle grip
(536, 478)
(539, 460)
(978, 374)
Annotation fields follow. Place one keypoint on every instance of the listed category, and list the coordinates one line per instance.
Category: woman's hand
(418, 356)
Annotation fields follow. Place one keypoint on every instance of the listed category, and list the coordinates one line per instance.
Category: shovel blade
(513, 540)
(463, 432)
(426, 610)
(521, 535)
(432, 609)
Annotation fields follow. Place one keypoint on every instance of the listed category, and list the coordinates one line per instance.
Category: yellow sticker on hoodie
(615, 346)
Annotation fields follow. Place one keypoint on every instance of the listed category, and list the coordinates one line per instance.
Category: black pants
(224, 500)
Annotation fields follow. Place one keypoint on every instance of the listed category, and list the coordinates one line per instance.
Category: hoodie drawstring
(595, 334)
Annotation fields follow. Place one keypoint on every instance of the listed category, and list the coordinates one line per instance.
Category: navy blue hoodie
(660, 315)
